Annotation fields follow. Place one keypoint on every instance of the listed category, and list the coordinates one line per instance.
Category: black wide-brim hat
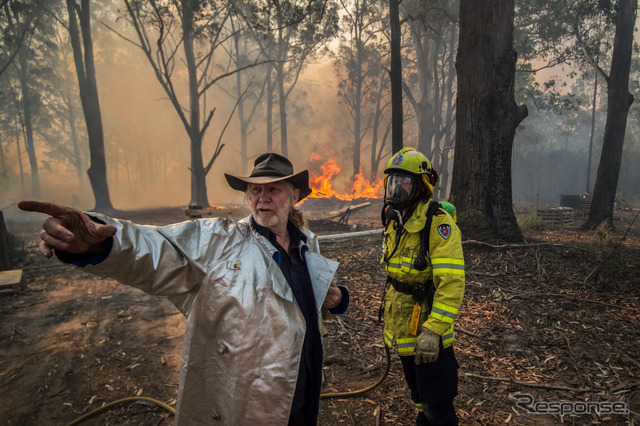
(268, 168)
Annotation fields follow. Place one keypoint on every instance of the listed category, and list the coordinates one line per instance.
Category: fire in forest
(321, 183)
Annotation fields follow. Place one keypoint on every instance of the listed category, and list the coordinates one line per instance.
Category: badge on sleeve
(444, 231)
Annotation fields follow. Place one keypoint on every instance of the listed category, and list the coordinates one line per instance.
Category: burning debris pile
(323, 188)
(330, 211)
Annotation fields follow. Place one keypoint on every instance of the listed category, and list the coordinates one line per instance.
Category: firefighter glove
(427, 346)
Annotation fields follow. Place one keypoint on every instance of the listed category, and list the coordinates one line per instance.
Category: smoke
(147, 147)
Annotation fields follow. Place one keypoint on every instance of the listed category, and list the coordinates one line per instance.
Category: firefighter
(425, 268)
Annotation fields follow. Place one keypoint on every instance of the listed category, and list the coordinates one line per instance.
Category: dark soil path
(557, 318)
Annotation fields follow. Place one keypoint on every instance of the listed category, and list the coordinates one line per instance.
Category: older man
(251, 292)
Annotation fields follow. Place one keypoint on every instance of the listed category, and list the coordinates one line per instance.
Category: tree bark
(269, 108)
(357, 106)
(27, 117)
(397, 117)
(3, 164)
(199, 195)
(282, 97)
(486, 120)
(244, 123)
(593, 125)
(85, 70)
(282, 102)
(619, 101)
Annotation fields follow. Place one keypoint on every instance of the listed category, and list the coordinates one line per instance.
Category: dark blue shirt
(294, 268)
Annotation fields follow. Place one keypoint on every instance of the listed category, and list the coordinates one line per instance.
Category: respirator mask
(401, 192)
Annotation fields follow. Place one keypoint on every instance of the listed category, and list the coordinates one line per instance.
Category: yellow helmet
(411, 161)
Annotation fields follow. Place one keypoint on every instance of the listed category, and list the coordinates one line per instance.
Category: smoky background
(147, 147)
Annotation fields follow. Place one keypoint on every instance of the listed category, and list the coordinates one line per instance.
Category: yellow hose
(173, 411)
(118, 402)
(368, 388)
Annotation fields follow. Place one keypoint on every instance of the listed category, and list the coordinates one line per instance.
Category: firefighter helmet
(409, 161)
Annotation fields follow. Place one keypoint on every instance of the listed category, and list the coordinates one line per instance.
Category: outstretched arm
(70, 230)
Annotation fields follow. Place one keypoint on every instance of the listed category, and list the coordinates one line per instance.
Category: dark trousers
(434, 385)
(306, 416)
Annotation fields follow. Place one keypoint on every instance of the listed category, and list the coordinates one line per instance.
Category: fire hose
(363, 390)
(172, 410)
(113, 404)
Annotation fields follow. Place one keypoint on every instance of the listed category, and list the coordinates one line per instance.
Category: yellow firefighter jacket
(446, 269)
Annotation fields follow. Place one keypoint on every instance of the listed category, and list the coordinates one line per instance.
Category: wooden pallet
(561, 216)
(12, 281)
(576, 202)
(585, 202)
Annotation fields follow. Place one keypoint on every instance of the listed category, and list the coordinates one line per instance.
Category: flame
(315, 157)
(322, 187)
(364, 188)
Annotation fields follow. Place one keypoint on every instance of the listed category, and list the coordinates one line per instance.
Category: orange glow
(364, 188)
(321, 183)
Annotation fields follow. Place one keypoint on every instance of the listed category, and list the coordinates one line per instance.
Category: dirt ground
(554, 319)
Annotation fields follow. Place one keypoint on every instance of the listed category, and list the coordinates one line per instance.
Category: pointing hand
(70, 230)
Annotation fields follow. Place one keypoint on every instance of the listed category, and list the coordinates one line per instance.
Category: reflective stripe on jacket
(244, 330)
(445, 267)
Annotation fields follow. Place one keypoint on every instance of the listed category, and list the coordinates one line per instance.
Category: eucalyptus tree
(430, 76)
(379, 101)
(82, 45)
(395, 76)
(619, 101)
(15, 33)
(486, 120)
(26, 47)
(290, 32)
(66, 135)
(358, 67)
(7, 131)
(584, 33)
(250, 84)
(185, 35)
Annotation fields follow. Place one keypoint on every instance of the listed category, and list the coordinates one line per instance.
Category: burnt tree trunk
(486, 120)
(85, 70)
(396, 78)
(619, 101)
(199, 196)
